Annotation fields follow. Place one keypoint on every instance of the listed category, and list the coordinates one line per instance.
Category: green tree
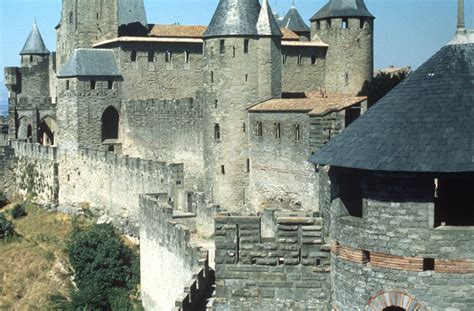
(380, 85)
(18, 211)
(7, 229)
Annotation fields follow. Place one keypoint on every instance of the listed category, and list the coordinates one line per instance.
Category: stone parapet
(35, 151)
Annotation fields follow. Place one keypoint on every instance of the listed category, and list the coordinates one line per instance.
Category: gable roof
(294, 21)
(343, 8)
(425, 124)
(90, 63)
(34, 44)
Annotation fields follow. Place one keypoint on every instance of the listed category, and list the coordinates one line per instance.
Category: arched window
(110, 124)
(217, 132)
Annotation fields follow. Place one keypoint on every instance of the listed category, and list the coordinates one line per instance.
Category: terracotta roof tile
(289, 35)
(178, 31)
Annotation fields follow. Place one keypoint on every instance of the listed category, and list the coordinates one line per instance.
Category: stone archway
(110, 124)
(24, 129)
(46, 131)
(394, 301)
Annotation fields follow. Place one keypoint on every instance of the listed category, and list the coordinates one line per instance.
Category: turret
(242, 48)
(295, 23)
(86, 22)
(34, 51)
(348, 27)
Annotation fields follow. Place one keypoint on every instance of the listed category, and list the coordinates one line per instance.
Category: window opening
(168, 56)
(223, 169)
(362, 22)
(313, 60)
(217, 132)
(285, 56)
(222, 46)
(133, 57)
(110, 124)
(318, 25)
(350, 192)
(453, 200)
(186, 57)
(345, 23)
(215, 103)
(299, 59)
(277, 130)
(70, 17)
(110, 84)
(93, 84)
(151, 56)
(246, 78)
(67, 85)
(248, 165)
(297, 133)
(246, 46)
(31, 58)
(329, 23)
(347, 78)
(212, 76)
(243, 127)
(428, 264)
(233, 52)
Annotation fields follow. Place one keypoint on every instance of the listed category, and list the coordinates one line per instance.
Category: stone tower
(348, 27)
(85, 22)
(242, 48)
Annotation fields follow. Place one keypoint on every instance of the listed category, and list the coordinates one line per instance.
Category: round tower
(242, 48)
(34, 51)
(348, 27)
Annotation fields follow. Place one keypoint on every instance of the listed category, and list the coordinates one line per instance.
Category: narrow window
(93, 83)
(223, 169)
(259, 129)
(300, 59)
(133, 57)
(365, 257)
(284, 56)
(215, 103)
(186, 57)
(31, 58)
(277, 130)
(212, 76)
(243, 128)
(362, 22)
(345, 23)
(233, 52)
(329, 23)
(151, 56)
(297, 133)
(67, 85)
(246, 46)
(97, 16)
(222, 46)
(350, 192)
(168, 56)
(248, 165)
(428, 264)
(347, 78)
(313, 60)
(217, 132)
(318, 25)
(246, 78)
(70, 17)
(110, 84)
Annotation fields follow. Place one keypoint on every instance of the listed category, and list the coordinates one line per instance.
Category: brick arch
(395, 298)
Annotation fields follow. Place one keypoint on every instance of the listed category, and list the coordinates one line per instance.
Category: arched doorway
(24, 129)
(393, 308)
(394, 301)
(47, 129)
(110, 124)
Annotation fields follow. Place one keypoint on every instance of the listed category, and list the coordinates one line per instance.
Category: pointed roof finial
(293, 3)
(461, 22)
(34, 44)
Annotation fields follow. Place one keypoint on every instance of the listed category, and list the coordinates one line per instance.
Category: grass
(34, 270)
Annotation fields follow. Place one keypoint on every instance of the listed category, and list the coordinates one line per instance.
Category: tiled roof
(343, 8)
(294, 21)
(314, 104)
(425, 124)
(90, 63)
(34, 44)
(178, 31)
(289, 35)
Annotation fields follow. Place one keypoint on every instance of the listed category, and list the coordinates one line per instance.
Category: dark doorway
(393, 308)
(46, 132)
(110, 124)
(453, 201)
(352, 113)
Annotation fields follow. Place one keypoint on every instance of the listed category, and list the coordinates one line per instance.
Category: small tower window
(259, 129)
(67, 85)
(31, 58)
(277, 130)
(243, 127)
(284, 57)
(297, 132)
(97, 16)
(248, 165)
(110, 84)
(133, 56)
(246, 78)
(345, 23)
(151, 56)
(329, 23)
(233, 52)
(168, 57)
(313, 60)
(70, 17)
(186, 57)
(318, 25)
(223, 169)
(222, 46)
(362, 22)
(347, 78)
(212, 76)
(93, 84)
(215, 103)
(246, 46)
(300, 59)
(217, 132)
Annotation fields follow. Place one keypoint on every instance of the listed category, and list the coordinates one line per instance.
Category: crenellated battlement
(35, 151)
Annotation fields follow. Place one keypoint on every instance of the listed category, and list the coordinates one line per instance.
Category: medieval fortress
(197, 140)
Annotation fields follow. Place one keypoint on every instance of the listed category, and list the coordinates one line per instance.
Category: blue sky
(407, 32)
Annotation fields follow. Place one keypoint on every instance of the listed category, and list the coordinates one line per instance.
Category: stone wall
(36, 171)
(168, 131)
(395, 246)
(280, 175)
(303, 68)
(6, 168)
(174, 271)
(110, 184)
(324, 128)
(287, 272)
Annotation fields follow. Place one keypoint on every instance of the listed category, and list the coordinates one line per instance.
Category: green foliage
(18, 211)
(3, 199)
(58, 302)
(120, 299)
(380, 85)
(7, 229)
(103, 265)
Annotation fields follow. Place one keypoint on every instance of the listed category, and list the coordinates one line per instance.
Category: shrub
(18, 211)
(102, 265)
(7, 229)
(3, 199)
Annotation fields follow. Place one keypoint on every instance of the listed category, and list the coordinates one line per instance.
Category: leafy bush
(3, 199)
(7, 229)
(18, 211)
(102, 265)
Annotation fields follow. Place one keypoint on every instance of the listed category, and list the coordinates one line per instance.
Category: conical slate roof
(131, 11)
(294, 21)
(343, 8)
(425, 124)
(34, 44)
(234, 17)
(266, 24)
